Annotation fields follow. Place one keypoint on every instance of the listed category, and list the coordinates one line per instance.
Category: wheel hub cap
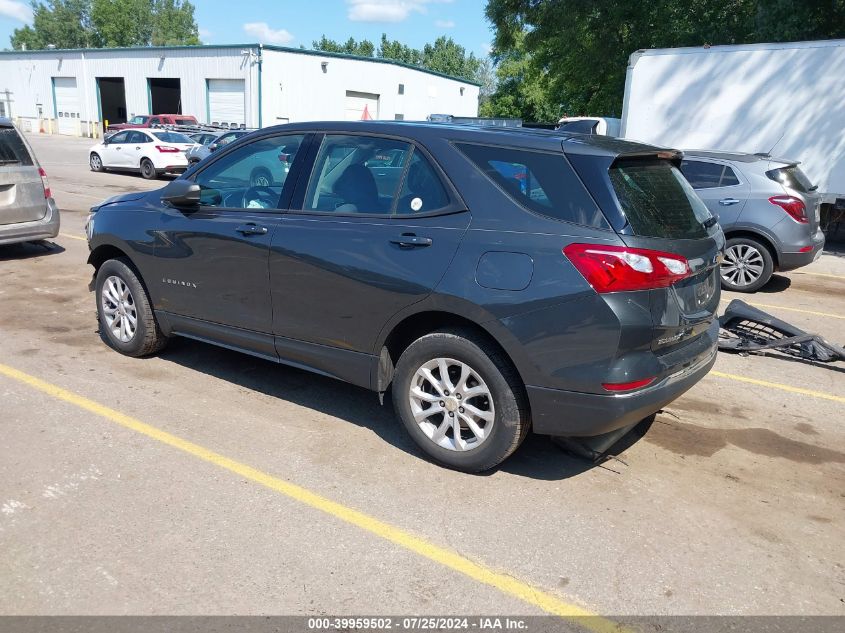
(119, 312)
(452, 404)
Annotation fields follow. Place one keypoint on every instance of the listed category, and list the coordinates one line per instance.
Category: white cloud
(486, 47)
(16, 10)
(265, 35)
(444, 24)
(205, 35)
(385, 10)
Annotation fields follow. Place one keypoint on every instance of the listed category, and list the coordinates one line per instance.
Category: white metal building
(75, 91)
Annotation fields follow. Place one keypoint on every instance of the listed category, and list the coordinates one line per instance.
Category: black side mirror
(182, 194)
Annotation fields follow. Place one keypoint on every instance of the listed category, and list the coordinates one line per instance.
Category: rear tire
(747, 266)
(148, 170)
(96, 162)
(474, 366)
(127, 321)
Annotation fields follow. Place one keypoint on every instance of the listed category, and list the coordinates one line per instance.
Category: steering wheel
(265, 195)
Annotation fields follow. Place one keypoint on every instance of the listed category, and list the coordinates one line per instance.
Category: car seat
(357, 188)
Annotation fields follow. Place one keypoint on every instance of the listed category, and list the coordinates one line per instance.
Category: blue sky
(295, 22)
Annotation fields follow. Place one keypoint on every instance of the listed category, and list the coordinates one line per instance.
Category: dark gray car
(27, 209)
(768, 209)
(493, 280)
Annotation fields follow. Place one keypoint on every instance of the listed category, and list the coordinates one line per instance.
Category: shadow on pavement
(28, 250)
(537, 458)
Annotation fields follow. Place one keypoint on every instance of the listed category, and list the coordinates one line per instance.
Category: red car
(149, 120)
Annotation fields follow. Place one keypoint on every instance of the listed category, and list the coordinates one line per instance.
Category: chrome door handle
(726, 202)
(251, 229)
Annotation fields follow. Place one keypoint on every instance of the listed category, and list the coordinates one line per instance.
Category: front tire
(148, 170)
(460, 400)
(127, 321)
(747, 266)
(96, 162)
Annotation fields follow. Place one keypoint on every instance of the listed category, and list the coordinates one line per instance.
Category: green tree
(62, 23)
(397, 51)
(580, 50)
(521, 88)
(92, 23)
(445, 56)
(364, 48)
(173, 23)
(122, 22)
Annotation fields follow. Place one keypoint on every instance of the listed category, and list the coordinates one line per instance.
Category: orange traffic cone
(365, 115)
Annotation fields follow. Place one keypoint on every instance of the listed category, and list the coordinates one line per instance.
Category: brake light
(793, 206)
(167, 150)
(45, 183)
(619, 268)
(627, 386)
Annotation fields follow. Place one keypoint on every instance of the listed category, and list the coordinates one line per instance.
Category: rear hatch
(652, 207)
(21, 189)
(663, 213)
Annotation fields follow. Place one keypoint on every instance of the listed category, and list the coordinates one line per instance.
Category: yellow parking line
(777, 385)
(73, 237)
(813, 312)
(807, 272)
(452, 560)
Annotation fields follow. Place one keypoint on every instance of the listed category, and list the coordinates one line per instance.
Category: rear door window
(422, 191)
(539, 181)
(351, 174)
(701, 175)
(12, 148)
(657, 200)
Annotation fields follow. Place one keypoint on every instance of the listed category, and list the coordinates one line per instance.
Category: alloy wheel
(96, 163)
(119, 309)
(452, 404)
(742, 266)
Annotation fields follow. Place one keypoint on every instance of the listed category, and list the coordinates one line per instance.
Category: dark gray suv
(494, 280)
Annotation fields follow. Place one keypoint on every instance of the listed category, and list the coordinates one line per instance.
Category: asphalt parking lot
(205, 481)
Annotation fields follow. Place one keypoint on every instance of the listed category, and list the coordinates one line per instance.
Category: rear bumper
(574, 414)
(45, 228)
(791, 261)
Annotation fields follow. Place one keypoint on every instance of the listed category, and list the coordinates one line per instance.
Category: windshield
(173, 137)
(657, 200)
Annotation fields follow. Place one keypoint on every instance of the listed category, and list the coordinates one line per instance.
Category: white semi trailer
(784, 99)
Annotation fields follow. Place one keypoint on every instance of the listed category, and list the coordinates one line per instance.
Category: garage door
(226, 101)
(67, 104)
(361, 106)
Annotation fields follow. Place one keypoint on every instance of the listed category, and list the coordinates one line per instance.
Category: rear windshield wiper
(9, 161)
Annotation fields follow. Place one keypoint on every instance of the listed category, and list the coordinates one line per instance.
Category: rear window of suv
(791, 177)
(657, 200)
(12, 148)
(539, 181)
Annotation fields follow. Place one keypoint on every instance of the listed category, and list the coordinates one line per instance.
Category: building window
(401, 89)
(400, 117)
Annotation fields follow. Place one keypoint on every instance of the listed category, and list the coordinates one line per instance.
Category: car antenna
(769, 153)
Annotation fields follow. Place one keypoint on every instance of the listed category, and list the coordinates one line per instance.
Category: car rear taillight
(619, 268)
(167, 150)
(627, 386)
(793, 206)
(45, 183)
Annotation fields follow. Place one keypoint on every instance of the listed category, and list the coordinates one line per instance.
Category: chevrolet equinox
(493, 280)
